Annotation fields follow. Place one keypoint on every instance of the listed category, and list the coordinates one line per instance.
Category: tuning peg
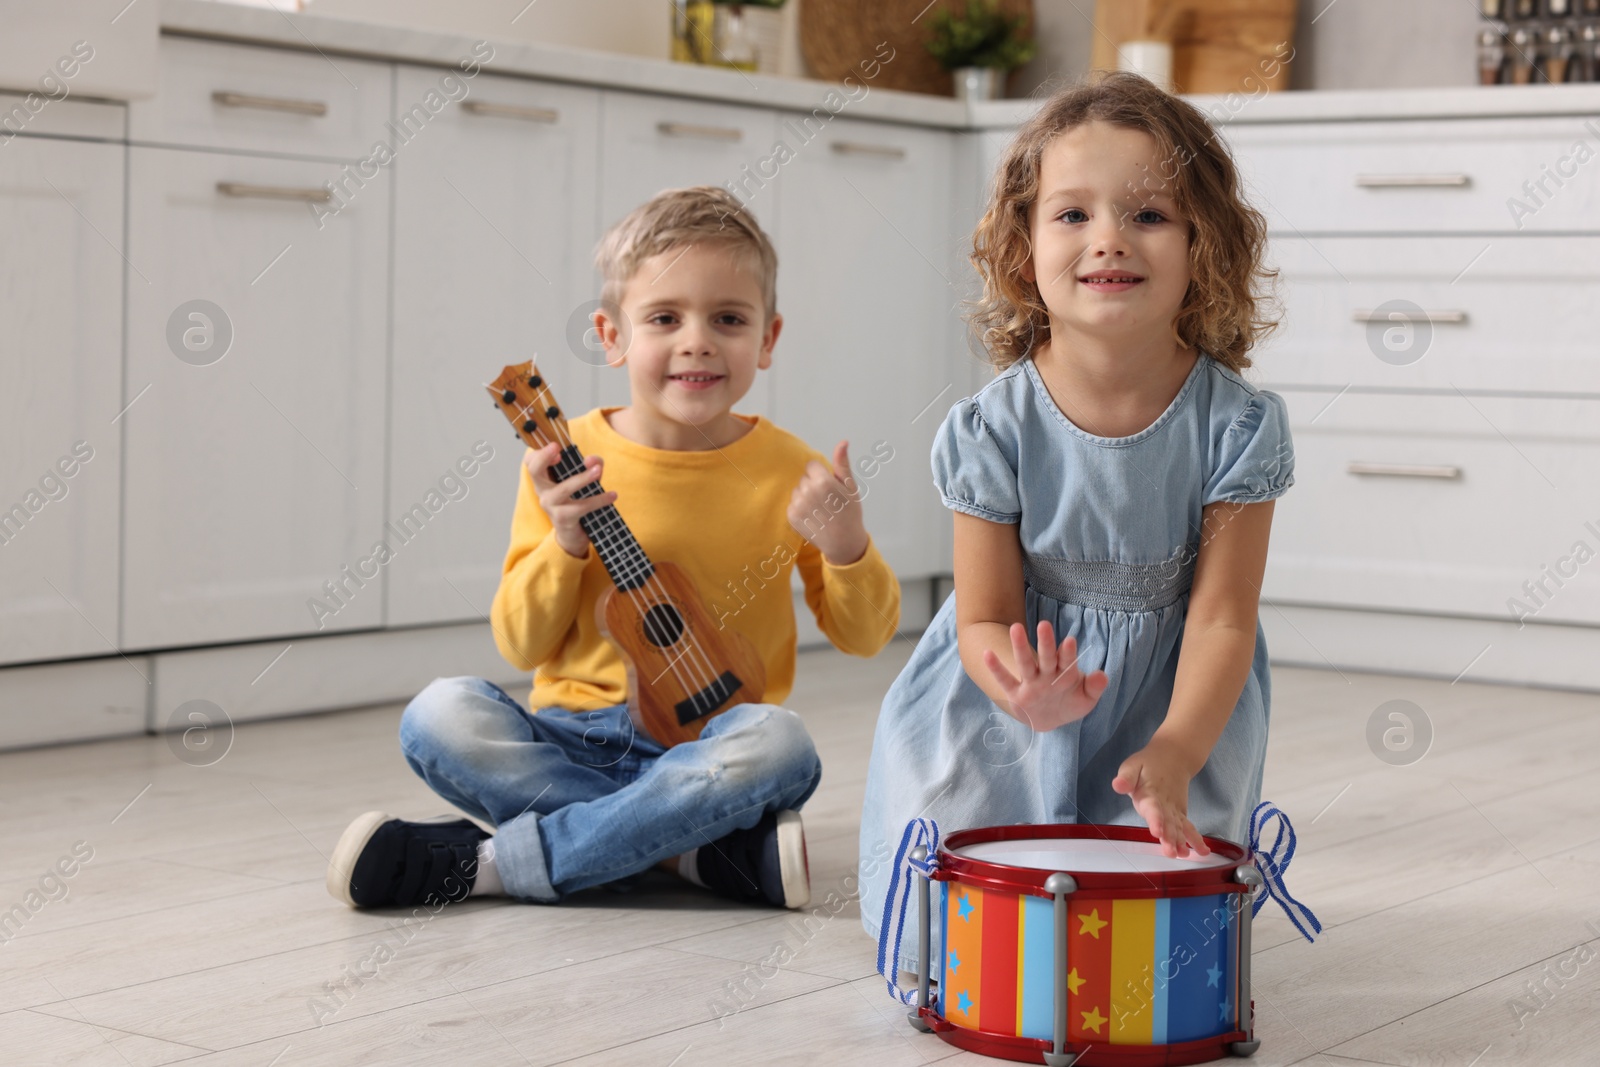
(552, 411)
(509, 397)
(535, 381)
(530, 426)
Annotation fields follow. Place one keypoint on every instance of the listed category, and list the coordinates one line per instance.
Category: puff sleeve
(971, 469)
(1255, 458)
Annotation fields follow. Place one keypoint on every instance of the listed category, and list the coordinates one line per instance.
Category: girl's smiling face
(1104, 210)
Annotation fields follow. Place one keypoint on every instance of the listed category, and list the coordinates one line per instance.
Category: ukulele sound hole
(663, 625)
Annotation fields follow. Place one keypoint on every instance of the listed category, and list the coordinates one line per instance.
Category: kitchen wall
(635, 27)
(1341, 44)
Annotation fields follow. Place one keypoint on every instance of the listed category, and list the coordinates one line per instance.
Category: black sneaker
(381, 861)
(766, 862)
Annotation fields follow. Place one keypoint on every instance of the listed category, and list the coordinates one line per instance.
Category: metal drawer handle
(1405, 470)
(1371, 315)
(511, 111)
(1413, 181)
(713, 133)
(270, 103)
(274, 192)
(856, 148)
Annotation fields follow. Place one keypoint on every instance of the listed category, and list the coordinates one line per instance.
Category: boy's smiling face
(1104, 207)
(699, 332)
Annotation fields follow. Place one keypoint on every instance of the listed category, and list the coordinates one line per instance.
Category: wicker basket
(837, 36)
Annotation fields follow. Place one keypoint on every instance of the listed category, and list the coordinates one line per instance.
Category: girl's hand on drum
(1048, 690)
(1157, 778)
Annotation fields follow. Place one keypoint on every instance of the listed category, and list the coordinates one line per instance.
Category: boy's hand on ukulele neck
(1048, 690)
(1156, 779)
(556, 497)
(825, 509)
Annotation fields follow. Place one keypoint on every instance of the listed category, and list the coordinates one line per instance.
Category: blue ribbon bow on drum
(1058, 938)
(1273, 864)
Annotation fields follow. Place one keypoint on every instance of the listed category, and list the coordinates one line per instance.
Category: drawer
(1487, 506)
(30, 113)
(1504, 314)
(264, 100)
(1439, 176)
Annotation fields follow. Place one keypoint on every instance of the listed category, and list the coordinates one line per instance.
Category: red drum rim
(1032, 1050)
(1131, 884)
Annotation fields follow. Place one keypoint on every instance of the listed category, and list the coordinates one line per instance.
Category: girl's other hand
(1048, 689)
(556, 497)
(1157, 779)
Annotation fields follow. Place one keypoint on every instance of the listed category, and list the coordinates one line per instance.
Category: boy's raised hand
(1051, 691)
(556, 497)
(1156, 779)
(826, 509)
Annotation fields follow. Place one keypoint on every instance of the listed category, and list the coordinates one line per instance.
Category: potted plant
(979, 47)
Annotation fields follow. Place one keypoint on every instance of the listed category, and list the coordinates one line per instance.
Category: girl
(1112, 487)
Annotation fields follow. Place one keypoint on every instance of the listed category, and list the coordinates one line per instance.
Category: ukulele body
(682, 670)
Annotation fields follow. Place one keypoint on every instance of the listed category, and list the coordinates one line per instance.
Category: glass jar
(1492, 44)
(735, 41)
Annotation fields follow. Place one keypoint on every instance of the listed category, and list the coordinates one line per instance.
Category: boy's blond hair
(1227, 308)
(677, 218)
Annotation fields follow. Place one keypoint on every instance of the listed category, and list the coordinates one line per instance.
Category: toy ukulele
(682, 670)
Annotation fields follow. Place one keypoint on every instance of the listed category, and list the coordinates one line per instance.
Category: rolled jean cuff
(519, 857)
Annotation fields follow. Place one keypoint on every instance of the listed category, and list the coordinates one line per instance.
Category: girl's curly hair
(1220, 314)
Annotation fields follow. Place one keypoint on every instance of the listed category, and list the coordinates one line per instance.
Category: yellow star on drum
(1092, 1019)
(1092, 924)
(1073, 981)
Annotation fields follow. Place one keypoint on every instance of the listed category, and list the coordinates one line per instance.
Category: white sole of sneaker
(792, 860)
(351, 844)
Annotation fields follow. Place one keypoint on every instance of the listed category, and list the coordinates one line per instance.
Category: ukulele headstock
(524, 397)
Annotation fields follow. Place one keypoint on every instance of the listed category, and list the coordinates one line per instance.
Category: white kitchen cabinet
(495, 223)
(1500, 175)
(1452, 505)
(61, 365)
(651, 143)
(229, 96)
(255, 466)
(1503, 314)
(868, 294)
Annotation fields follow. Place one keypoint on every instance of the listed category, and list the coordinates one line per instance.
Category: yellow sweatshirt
(721, 515)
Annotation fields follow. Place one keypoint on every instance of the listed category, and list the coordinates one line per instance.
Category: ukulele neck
(620, 553)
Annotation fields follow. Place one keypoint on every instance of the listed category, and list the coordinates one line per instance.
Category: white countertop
(336, 36)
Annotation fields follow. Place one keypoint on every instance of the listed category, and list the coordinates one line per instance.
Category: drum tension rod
(924, 937)
(1061, 885)
(1247, 875)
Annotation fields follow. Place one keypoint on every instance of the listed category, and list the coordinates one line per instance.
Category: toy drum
(1084, 945)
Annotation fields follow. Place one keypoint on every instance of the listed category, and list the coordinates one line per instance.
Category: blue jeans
(580, 798)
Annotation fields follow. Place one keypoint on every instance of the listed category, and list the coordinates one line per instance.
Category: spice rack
(1538, 42)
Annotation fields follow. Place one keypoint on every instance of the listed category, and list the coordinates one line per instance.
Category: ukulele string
(698, 679)
(704, 675)
(701, 677)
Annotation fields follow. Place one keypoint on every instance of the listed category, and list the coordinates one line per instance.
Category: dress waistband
(1110, 585)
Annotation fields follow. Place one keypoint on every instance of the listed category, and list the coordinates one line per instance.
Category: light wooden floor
(200, 930)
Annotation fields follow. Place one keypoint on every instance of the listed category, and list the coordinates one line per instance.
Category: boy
(577, 797)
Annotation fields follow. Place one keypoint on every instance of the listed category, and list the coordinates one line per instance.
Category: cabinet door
(255, 453)
(866, 289)
(61, 372)
(494, 229)
(1478, 506)
(651, 143)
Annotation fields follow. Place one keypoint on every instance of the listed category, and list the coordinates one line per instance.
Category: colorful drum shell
(1152, 967)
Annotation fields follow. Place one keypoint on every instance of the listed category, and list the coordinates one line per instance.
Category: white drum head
(1091, 855)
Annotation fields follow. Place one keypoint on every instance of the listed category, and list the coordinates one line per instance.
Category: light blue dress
(1110, 528)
